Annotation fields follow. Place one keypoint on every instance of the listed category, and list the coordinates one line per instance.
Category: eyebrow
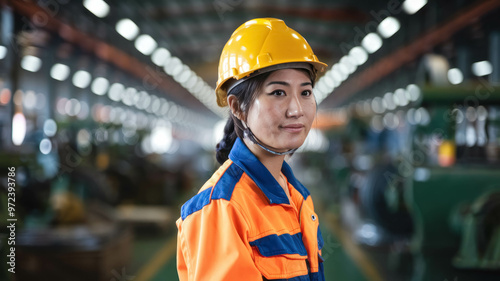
(286, 83)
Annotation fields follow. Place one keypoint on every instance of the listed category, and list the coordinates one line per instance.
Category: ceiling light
(18, 129)
(97, 7)
(358, 55)
(414, 92)
(59, 71)
(115, 91)
(3, 52)
(29, 100)
(100, 86)
(389, 101)
(31, 63)
(482, 68)
(81, 79)
(455, 76)
(145, 44)
(171, 65)
(372, 42)
(160, 56)
(45, 146)
(72, 107)
(388, 27)
(413, 6)
(50, 127)
(127, 28)
(349, 64)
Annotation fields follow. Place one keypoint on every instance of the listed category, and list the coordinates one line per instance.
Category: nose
(295, 108)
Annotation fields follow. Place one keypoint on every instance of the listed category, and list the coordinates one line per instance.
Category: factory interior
(109, 123)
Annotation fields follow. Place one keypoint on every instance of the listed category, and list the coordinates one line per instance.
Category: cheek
(253, 113)
(310, 111)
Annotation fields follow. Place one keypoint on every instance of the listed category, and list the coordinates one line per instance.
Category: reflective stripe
(274, 245)
(225, 186)
(196, 203)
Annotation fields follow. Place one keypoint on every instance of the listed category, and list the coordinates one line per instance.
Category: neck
(272, 162)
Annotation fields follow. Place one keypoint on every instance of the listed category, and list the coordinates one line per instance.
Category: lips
(293, 128)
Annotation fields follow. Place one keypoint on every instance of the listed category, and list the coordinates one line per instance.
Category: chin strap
(247, 133)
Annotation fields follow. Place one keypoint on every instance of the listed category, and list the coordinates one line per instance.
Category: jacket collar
(244, 158)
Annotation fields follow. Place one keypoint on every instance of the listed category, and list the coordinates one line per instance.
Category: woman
(253, 220)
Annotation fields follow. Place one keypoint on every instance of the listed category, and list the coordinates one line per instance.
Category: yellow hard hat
(258, 44)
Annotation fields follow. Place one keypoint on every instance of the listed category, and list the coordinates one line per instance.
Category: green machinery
(454, 194)
(433, 179)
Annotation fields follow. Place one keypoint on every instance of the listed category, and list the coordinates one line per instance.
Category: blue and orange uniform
(243, 226)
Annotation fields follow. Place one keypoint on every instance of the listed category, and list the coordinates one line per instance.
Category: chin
(293, 144)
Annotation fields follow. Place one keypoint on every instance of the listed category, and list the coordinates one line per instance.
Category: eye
(307, 93)
(278, 93)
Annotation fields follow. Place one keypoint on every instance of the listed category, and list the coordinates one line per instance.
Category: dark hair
(245, 92)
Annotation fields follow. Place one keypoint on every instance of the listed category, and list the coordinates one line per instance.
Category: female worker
(253, 220)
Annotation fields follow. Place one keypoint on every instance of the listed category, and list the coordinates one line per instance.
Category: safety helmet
(260, 44)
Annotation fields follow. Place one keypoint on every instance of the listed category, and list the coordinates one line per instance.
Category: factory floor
(345, 260)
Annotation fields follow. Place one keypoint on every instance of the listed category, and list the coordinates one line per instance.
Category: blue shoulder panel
(225, 186)
(196, 203)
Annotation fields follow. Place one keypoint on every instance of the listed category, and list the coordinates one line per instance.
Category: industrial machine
(421, 178)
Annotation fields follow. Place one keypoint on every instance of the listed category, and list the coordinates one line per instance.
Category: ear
(234, 106)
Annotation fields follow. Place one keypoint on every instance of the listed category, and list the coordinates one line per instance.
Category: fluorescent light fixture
(358, 55)
(3, 52)
(388, 27)
(349, 64)
(100, 86)
(50, 127)
(455, 76)
(115, 91)
(127, 28)
(372, 42)
(482, 68)
(45, 146)
(59, 71)
(18, 129)
(81, 79)
(160, 56)
(29, 100)
(145, 44)
(72, 107)
(414, 92)
(31, 63)
(97, 7)
(413, 6)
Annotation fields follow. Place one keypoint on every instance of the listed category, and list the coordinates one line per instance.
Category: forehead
(289, 75)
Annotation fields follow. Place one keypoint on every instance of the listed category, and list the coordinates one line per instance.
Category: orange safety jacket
(242, 226)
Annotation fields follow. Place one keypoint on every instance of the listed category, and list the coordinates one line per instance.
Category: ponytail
(224, 146)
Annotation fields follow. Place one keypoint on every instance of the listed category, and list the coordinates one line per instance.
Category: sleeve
(212, 245)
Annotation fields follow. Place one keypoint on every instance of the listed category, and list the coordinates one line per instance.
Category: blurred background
(108, 119)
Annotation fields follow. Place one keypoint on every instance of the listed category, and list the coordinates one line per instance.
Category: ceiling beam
(151, 77)
(409, 53)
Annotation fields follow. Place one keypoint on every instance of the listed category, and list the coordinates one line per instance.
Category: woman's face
(283, 111)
